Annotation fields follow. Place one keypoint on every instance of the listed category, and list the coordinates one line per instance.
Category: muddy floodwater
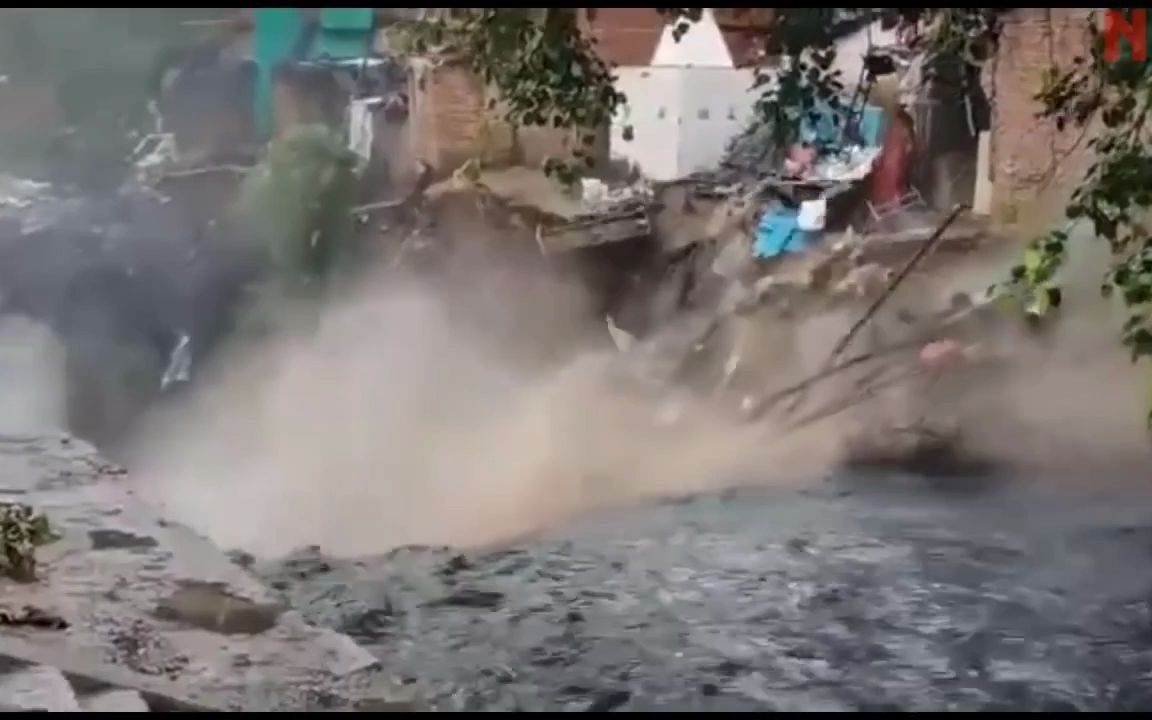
(853, 595)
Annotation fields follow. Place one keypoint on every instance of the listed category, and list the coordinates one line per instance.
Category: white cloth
(811, 216)
(360, 127)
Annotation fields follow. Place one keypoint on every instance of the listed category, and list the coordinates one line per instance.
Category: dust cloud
(32, 389)
(393, 422)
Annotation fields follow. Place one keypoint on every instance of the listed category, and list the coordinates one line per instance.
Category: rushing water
(838, 598)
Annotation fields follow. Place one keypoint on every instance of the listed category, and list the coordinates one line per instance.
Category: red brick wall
(1034, 166)
(448, 116)
(628, 36)
(451, 123)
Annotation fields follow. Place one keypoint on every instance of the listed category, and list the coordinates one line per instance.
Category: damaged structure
(703, 263)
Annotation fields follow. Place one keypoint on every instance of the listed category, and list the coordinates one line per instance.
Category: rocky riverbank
(147, 608)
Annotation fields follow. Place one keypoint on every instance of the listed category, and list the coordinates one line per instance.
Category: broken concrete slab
(613, 227)
(38, 688)
(243, 656)
(114, 701)
(92, 674)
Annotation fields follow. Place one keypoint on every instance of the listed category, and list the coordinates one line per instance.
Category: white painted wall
(702, 46)
(687, 107)
(682, 118)
(653, 112)
(716, 105)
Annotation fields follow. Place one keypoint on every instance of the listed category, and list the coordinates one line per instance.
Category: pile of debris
(704, 279)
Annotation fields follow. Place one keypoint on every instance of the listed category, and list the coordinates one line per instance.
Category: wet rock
(470, 598)
(608, 701)
(455, 564)
(32, 616)
(369, 625)
(38, 688)
(729, 668)
(799, 546)
(209, 606)
(114, 701)
(242, 559)
(112, 539)
(307, 562)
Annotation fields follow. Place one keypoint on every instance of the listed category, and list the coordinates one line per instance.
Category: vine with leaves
(1114, 100)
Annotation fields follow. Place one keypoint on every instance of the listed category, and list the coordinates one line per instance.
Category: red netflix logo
(1132, 26)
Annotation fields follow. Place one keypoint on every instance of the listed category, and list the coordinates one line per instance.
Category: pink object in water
(800, 160)
(941, 354)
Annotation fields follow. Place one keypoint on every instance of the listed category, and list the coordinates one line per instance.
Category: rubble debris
(863, 281)
(897, 279)
(138, 645)
(32, 616)
(598, 196)
(630, 223)
(113, 539)
(22, 530)
(59, 675)
(921, 449)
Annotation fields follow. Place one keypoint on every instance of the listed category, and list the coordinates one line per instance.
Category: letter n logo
(1132, 26)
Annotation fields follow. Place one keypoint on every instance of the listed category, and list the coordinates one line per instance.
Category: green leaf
(1032, 260)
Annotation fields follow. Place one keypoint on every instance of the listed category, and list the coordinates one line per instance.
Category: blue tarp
(779, 233)
(872, 125)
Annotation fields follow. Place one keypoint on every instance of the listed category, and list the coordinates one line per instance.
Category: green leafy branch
(1114, 99)
(297, 204)
(22, 530)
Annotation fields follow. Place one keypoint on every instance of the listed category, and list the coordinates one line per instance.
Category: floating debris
(34, 617)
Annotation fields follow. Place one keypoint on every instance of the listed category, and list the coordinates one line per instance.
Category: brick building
(1032, 165)
(451, 122)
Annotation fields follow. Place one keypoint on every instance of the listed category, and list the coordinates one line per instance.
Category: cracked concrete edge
(158, 693)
